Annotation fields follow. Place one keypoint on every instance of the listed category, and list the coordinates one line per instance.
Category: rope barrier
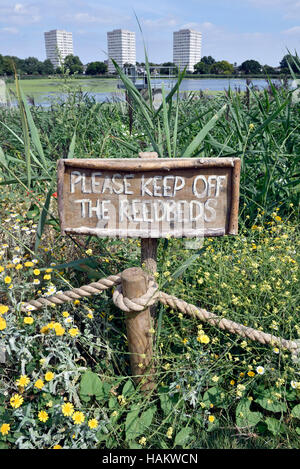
(151, 297)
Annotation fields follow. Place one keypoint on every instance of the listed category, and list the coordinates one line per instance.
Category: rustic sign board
(149, 198)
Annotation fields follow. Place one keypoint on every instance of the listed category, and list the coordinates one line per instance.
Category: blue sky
(233, 30)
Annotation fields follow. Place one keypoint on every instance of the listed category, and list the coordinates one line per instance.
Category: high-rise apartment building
(121, 48)
(59, 44)
(187, 48)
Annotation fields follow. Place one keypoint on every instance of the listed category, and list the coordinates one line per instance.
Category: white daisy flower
(260, 370)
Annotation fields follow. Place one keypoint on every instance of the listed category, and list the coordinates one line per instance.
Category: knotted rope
(151, 297)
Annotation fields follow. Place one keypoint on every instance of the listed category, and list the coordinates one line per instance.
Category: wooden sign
(149, 198)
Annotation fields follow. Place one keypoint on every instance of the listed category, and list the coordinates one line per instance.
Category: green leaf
(182, 437)
(296, 411)
(244, 416)
(128, 389)
(132, 425)
(42, 219)
(90, 385)
(213, 425)
(274, 426)
(268, 401)
(147, 417)
(213, 396)
(72, 146)
(196, 142)
(167, 403)
(33, 130)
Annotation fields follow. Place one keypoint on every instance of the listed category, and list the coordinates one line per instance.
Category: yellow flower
(43, 416)
(251, 374)
(7, 280)
(65, 314)
(39, 384)
(3, 309)
(44, 330)
(19, 266)
(5, 428)
(29, 264)
(23, 381)
(59, 330)
(93, 423)
(67, 409)
(16, 401)
(203, 339)
(74, 331)
(47, 277)
(169, 432)
(215, 379)
(89, 252)
(76, 302)
(2, 324)
(49, 376)
(57, 447)
(28, 320)
(36, 272)
(142, 441)
(78, 417)
(211, 418)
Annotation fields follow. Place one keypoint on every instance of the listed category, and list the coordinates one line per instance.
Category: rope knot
(136, 304)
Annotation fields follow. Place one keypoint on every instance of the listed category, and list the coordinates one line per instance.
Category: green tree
(96, 68)
(208, 60)
(222, 68)
(250, 66)
(287, 60)
(165, 68)
(202, 68)
(47, 67)
(73, 63)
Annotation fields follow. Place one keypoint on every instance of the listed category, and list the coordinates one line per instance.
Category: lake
(43, 91)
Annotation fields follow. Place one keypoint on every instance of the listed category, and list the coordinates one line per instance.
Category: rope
(151, 297)
(74, 294)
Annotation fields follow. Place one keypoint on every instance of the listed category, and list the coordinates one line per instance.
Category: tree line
(33, 66)
(207, 66)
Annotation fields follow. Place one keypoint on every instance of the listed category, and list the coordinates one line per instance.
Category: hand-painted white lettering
(178, 184)
(107, 185)
(211, 210)
(156, 188)
(199, 207)
(146, 208)
(127, 184)
(167, 190)
(96, 184)
(74, 179)
(117, 186)
(220, 180)
(144, 183)
(136, 210)
(82, 202)
(123, 210)
(197, 186)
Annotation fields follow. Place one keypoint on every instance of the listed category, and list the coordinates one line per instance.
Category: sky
(233, 30)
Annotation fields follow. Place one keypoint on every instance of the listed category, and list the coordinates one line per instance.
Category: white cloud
(294, 30)
(10, 30)
(19, 14)
(164, 22)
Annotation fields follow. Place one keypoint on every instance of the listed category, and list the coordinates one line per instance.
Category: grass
(42, 88)
(214, 389)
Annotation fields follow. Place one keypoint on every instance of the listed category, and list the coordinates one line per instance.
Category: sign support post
(149, 245)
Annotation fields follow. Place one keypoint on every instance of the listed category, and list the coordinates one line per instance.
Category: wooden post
(149, 245)
(138, 325)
